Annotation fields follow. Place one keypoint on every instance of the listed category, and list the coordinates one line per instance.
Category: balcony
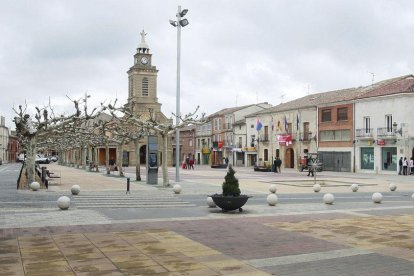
(385, 133)
(364, 133)
(264, 138)
(306, 137)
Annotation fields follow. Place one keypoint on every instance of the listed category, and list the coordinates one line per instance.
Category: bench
(51, 177)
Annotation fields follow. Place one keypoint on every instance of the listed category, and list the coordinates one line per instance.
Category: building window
(145, 87)
(388, 123)
(266, 154)
(326, 115)
(367, 125)
(342, 114)
(190, 143)
(335, 135)
(367, 158)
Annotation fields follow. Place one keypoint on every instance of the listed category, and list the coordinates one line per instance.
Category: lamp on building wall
(395, 128)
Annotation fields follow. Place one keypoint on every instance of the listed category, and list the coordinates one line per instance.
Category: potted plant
(230, 199)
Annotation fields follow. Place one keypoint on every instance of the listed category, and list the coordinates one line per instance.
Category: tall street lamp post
(181, 22)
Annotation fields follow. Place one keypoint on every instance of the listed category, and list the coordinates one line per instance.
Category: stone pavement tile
(137, 237)
(361, 265)
(109, 243)
(130, 259)
(10, 264)
(8, 246)
(229, 266)
(148, 271)
(253, 240)
(46, 267)
(373, 233)
(95, 266)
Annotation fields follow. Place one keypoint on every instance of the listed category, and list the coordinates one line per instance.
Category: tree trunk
(164, 160)
(95, 154)
(138, 160)
(30, 161)
(107, 157)
(119, 161)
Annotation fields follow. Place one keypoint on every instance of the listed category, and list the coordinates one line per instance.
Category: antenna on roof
(372, 80)
(282, 97)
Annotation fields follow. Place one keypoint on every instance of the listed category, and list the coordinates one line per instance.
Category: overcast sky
(234, 52)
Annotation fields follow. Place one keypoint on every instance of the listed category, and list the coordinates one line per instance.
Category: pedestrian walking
(400, 165)
(278, 165)
(192, 163)
(405, 166)
(310, 167)
(411, 165)
(187, 162)
(274, 166)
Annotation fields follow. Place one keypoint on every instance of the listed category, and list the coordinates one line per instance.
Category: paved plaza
(152, 231)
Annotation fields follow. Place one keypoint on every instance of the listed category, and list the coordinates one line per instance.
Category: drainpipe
(353, 128)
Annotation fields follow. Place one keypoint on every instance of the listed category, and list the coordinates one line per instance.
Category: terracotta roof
(403, 84)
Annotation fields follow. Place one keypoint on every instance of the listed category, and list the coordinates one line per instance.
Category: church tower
(142, 84)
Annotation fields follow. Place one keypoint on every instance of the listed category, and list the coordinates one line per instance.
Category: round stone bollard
(272, 199)
(75, 190)
(210, 202)
(177, 188)
(63, 202)
(316, 188)
(328, 198)
(272, 188)
(354, 187)
(393, 187)
(34, 186)
(377, 197)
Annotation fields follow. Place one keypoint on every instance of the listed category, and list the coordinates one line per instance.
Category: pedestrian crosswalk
(119, 199)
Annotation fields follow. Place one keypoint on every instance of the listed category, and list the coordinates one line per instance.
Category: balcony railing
(385, 132)
(264, 138)
(364, 133)
(306, 136)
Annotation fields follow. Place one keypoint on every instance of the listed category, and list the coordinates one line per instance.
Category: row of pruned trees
(86, 129)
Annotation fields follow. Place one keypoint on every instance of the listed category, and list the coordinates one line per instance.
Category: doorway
(143, 155)
(289, 158)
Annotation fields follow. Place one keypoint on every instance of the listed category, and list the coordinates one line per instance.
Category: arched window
(145, 87)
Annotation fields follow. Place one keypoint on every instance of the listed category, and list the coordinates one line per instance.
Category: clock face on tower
(144, 60)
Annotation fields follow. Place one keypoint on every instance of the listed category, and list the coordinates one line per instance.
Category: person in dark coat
(310, 168)
(278, 164)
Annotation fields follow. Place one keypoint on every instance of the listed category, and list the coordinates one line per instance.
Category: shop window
(367, 158)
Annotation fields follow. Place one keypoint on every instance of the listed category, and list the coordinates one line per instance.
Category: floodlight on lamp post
(181, 22)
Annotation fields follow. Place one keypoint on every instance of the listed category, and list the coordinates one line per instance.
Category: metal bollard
(128, 182)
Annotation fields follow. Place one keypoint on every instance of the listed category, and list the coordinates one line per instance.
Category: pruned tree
(33, 130)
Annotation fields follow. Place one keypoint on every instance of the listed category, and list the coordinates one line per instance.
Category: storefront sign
(381, 142)
(284, 139)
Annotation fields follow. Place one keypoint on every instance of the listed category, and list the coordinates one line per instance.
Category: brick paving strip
(319, 244)
(149, 252)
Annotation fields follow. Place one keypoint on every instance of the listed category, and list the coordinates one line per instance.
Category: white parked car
(40, 159)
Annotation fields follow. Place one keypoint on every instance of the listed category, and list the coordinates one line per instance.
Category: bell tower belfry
(142, 83)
